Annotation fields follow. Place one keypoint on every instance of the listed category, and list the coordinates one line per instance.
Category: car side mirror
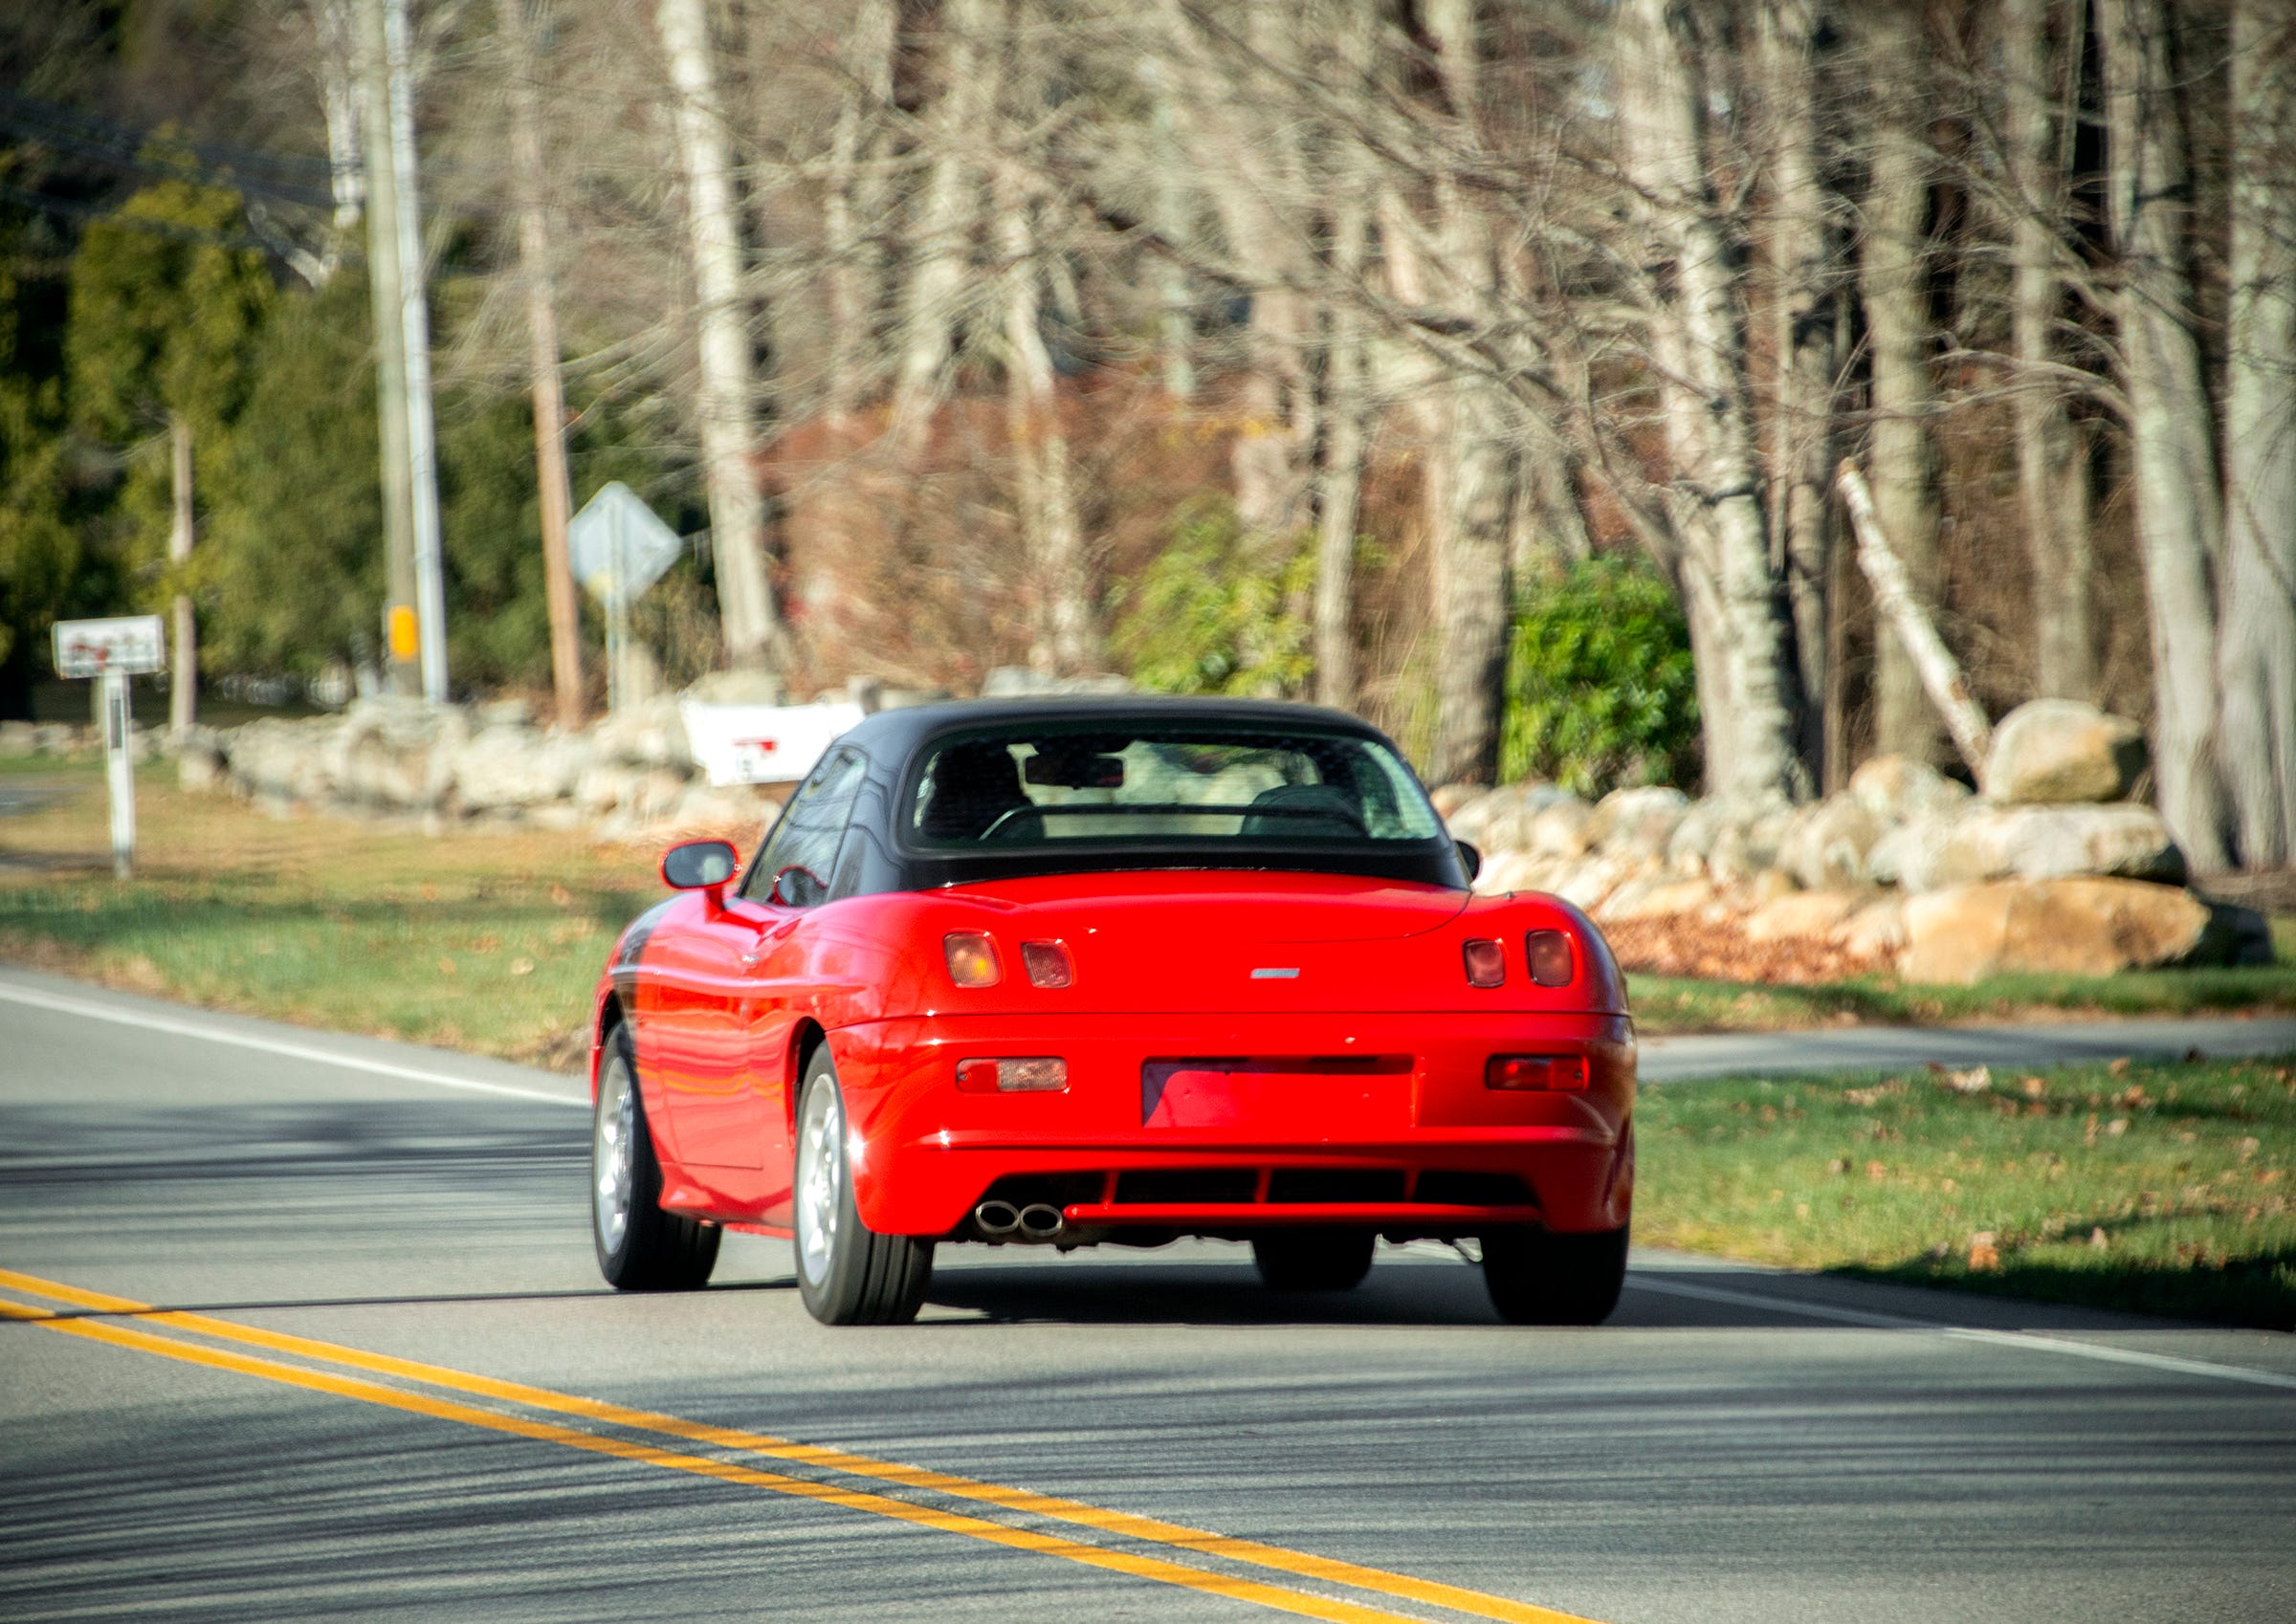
(799, 887)
(1471, 858)
(705, 866)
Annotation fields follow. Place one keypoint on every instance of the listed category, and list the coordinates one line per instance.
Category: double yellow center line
(329, 1364)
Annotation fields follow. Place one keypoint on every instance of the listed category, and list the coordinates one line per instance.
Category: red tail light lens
(1047, 964)
(972, 959)
(1045, 1074)
(1556, 1073)
(1547, 952)
(1486, 964)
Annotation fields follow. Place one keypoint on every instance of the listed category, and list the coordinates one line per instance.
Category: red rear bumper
(1400, 1116)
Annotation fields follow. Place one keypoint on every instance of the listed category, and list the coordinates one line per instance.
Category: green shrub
(1601, 690)
(1204, 619)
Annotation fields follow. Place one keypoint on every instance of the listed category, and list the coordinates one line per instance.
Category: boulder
(18, 739)
(2055, 752)
(200, 767)
(1500, 820)
(1562, 829)
(1824, 844)
(1908, 856)
(1449, 798)
(2126, 841)
(514, 769)
(2079, 927)
(1585, 884)
(1655, 896)
(1637, 823)
(737, 688)
(651, 734)
(1747, 845)
(1805, 915)
(1877, 930)
(1025, 682)
(1897, 789)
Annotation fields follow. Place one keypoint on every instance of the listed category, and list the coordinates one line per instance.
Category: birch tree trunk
(2179, 511)
(2257, 654)
(941, 245)
(1806, 266)
(543, 361)
(2052, 457)
(1738, 624)
(852, 196)
(736, 501)
(1339, 487)
(1893, 284)
(1067, 634)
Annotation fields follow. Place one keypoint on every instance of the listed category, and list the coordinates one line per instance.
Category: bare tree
(2257, 657)
(548, 393)
(753, 635)
(2173, 458)
(1894, 285)
(2052, 457)
(1738, 629)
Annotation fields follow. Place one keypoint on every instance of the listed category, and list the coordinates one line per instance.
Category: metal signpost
(618, 549)
(111, 652)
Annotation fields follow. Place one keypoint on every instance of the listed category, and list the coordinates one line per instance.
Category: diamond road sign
(132, 644)
(618, 547)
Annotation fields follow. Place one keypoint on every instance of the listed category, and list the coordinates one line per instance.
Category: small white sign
(133, 643)
(762, 744)
(618, 547)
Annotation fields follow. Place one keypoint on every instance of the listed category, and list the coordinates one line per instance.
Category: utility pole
(415, 288)
(549, 397)
(402, 637)
(183, 682)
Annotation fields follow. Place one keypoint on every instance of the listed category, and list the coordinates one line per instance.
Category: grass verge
(486, 941)
(2159, 1188)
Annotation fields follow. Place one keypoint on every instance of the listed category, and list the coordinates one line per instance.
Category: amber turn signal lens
(1047, 964)
(1486, 964)
(1046, 1074)
(1564, 1073)
(1547, 952)
(972, 959)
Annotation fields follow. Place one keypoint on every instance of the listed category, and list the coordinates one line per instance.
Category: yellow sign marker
(406, 636)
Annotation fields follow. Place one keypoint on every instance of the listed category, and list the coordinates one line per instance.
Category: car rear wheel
(1312, 1259)
(640, 1247)
(848, 1274)
(1538, 1279)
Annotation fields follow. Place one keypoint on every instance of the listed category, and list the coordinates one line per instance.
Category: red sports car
(1111, 971)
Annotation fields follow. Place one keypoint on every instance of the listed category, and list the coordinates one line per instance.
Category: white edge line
(274, 1045)
(1967, 1333)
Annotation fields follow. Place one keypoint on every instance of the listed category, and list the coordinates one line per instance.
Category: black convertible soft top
(876, 856)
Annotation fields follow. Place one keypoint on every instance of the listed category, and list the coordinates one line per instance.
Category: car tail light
(1047, 964)
(972, 959)
(1043, 1074)
(1565, 1072)
(1547, 952)
(1486, 964)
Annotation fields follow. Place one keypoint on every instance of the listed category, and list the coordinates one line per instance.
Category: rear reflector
(1047, 964)
(1486, 964)
(1041, 1075)
(972, 959)
(1547, 952)
(1535, 1071)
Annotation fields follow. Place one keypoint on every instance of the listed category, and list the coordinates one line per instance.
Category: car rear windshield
(1019, 788)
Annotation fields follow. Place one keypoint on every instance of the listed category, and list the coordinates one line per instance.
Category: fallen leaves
(1983, 1254)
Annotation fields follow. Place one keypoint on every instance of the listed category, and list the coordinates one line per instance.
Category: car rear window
(1021, 787)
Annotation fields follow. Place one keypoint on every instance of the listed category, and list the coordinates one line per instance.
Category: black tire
(1538, 1279)
(847, 1274)
(648, 1249)
(1312, 1259)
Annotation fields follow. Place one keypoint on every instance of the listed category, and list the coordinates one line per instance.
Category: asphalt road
(1736, 1444)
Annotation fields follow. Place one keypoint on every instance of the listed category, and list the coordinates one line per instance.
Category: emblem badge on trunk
(1272, 974)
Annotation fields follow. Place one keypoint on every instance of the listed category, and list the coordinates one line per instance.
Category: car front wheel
(1540, 1279)
(640, 1247)
(848, 1274)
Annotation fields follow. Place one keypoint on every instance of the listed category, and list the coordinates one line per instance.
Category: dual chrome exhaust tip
(1038, 1220)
